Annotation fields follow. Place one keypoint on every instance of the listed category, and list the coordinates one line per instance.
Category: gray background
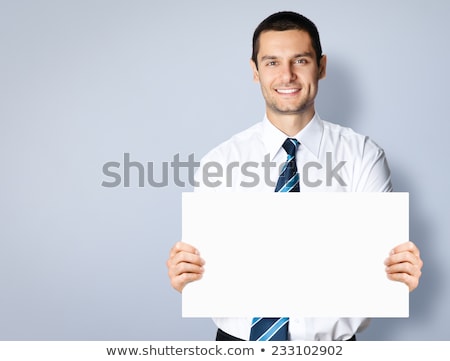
(83, 82)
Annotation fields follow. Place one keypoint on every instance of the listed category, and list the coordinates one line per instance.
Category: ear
(255, 71)
(323, 67)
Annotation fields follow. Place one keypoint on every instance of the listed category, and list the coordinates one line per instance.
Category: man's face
(288, 72)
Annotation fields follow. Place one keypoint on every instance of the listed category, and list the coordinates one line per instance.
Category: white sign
(295, 254)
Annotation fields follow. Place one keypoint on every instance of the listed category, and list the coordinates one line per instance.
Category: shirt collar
(309, 137)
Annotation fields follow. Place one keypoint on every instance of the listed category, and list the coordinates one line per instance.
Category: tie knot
(290, 145)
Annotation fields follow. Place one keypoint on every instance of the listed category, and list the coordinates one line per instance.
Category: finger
(182, 280)
(406, 247)
(186, 257)
(180, 268)
(182, 273)
(411, 281)
(401, 258)
(183, 247)
(405, 267)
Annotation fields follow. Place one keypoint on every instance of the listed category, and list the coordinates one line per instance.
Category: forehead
(284, 43)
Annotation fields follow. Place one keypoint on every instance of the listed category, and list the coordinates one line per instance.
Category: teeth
(286, 91)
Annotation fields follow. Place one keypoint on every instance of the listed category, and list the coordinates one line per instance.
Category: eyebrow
(300, 55)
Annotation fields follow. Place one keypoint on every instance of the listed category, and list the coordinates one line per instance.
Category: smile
(288, 91)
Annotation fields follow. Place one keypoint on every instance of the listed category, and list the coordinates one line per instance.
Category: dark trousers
(223, 336)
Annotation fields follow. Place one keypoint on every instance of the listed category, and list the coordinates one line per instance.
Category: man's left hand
(405, 265)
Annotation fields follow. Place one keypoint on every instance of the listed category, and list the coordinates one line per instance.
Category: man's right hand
(185, 265)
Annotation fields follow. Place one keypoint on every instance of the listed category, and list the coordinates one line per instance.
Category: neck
(290, 124)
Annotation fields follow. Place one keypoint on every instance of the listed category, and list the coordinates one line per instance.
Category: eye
(301, 61)
(271, 63)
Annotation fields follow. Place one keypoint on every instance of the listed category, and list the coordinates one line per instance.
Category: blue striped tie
(289, 179)
(276, 329)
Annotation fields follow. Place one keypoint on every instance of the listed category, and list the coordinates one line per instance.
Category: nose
(287, 73)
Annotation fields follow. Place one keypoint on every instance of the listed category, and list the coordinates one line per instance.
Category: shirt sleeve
(375, 174)
(211, 174)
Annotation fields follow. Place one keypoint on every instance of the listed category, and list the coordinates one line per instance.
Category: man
(287, 62)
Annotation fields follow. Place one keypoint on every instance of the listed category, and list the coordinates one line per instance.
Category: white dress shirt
(330, 158)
